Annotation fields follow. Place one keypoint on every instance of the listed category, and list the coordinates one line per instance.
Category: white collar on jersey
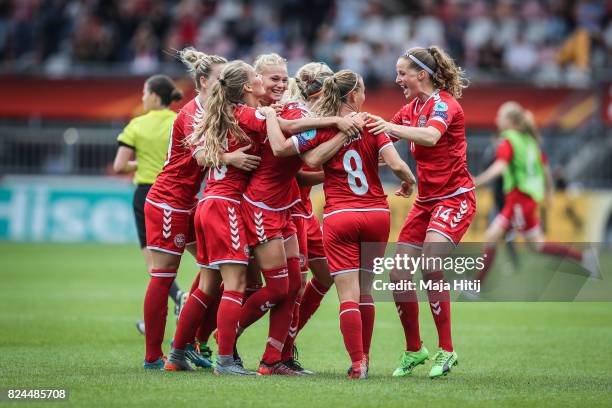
(434, 95)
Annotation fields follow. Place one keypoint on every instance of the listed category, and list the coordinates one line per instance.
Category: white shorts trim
(228, 261)
(220, 198)
(166, 206)
(259, 204)
(460, 190)
(356, 210)
(344, 271)
(303, 216)
(289, 237)
(317, 258)
(216, 268)
(442, 233)
(153, 248)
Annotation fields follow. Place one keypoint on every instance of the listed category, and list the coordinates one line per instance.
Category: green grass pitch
(67, 317)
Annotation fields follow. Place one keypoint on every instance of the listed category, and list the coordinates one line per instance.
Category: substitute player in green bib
(143, 146)
(526, 183)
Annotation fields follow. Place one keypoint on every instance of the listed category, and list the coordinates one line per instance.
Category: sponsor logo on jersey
(422, 120)
(179, 240)
(440, 106)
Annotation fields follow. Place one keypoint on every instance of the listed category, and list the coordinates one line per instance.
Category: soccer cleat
(155, 365)
(276, 369)
(359, 370)
(443, 361)
(198, 359)
(178, 362)
(204, 350)
(228, 366)
(409, 361)
(140, 326)
(295, 365)
(591, 263)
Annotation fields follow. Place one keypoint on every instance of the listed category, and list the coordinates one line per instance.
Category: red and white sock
(407, 305)
(195, 284)
(277, 286)
(350, 326)
(156, 311)
(293, 331)
(230, 309)
(439, 302)
(191, 316)
(209, 324)
(282, 314)
(311, 300)
(368, 313)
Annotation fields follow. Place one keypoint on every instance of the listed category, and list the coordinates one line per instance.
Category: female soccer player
(433, 123)
(170, 206)
(266, 210)
(305, 88)
(142, 149)
(526, 182)
(356, 209)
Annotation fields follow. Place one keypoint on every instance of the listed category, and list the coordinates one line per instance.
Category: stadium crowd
(548, 40)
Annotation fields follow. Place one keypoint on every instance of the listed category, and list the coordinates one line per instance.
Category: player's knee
(430, 275)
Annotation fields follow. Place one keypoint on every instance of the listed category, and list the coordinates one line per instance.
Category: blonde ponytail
(308, 81)
(336, 89)
(212, 131)
(198, 63)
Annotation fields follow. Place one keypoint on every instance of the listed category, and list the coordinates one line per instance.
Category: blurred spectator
(555, 40)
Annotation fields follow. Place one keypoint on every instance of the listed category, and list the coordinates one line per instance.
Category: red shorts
(450, 217)
(310, 239)
(220, 234)
(262, 225)
(343, 234)
(168, 230)
(520, 212)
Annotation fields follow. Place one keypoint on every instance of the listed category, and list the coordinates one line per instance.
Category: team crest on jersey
(179, 240)
(247, 252)
(440, 106)
(302, 261)
(422, 120)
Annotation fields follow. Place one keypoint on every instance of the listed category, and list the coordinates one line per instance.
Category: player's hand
(241, 160)
(267, 111)
(406, 189)
(349, 126)
(378, 125)
(278, 107)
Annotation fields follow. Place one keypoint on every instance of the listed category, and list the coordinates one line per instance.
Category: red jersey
(229, 182)
(272, 185)
(179, 182)
(441, 169)
(351, 176)
(304, 207)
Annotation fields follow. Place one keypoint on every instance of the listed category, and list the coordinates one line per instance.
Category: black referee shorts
(138, 203)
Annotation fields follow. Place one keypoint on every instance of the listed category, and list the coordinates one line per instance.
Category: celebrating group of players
(262, 140)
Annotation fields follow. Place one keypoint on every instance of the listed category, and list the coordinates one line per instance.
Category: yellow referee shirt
(149, 136)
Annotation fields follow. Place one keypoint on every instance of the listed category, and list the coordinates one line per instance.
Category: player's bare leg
(407, 305)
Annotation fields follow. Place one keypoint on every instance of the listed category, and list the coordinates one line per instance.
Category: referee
(143, 146)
